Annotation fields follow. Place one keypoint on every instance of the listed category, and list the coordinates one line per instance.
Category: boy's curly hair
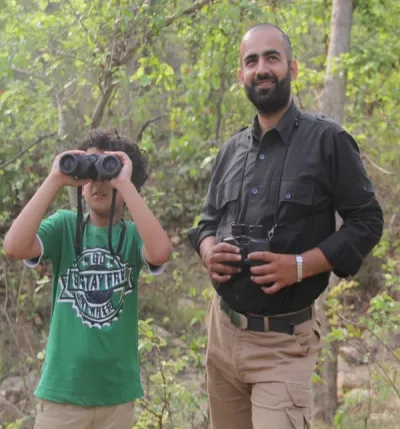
(113, 142)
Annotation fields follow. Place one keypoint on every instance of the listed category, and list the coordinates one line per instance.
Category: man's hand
(62, 179)
(279, 270)
(215, 261)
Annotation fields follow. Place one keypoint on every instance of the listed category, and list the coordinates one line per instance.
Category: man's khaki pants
(259, 380)
(51, 415)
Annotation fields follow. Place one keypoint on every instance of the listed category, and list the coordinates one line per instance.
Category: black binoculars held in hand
(91, 166)
(249, 239)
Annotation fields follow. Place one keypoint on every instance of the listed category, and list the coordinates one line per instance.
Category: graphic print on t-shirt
(96, 285)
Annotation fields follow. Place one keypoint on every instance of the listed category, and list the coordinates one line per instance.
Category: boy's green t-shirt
(92, 352)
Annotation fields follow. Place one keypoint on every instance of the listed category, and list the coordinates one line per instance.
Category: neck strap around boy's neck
(80, 225)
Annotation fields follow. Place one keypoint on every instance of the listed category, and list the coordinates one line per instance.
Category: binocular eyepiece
(90, 166)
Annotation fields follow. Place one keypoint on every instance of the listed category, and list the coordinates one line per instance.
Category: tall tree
(333, 100)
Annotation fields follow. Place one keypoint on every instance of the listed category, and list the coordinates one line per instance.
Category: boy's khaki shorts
(52, 415)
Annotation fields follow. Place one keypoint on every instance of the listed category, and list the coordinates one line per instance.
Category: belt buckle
(239, 320)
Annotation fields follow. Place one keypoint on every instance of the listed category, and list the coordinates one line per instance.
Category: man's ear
(293, 69)
(240, 76)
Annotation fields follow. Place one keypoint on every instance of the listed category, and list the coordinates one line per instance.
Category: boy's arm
(157, 248)
(20, 241)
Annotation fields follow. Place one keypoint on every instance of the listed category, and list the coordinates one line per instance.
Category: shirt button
(262, 156)
(254, 191)
(288, 195)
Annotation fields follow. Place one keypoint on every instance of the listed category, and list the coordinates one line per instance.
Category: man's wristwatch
(299, 263)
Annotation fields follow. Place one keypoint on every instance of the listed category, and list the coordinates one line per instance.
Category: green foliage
(18, 424)
(372, 335)
(164, 73)
(173, 398)
(171, 82)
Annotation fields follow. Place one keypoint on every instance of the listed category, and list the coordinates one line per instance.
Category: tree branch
(62, 122)
(168, 21)
(103, 100)
(363, 326)
(374, 164)
(145, 125)
(192, 9)
(18, 155)
(79, 18)
(384, 117)
(22, 74)
(385, 373)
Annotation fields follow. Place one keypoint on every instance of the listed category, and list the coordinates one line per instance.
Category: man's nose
(263, 67)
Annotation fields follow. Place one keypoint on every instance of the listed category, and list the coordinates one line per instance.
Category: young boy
(91, 375)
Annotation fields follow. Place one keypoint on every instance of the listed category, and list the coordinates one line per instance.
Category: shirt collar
(284, 126)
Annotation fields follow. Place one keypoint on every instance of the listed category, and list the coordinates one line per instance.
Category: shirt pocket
(296, 193)
(226, 193)
(296, 202)
(295, 217)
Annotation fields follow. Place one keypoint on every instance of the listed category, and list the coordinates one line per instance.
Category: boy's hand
(63, 179)
(125, 175)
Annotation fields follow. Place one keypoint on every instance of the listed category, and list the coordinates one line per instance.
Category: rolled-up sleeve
(355, 201)
(210, 216)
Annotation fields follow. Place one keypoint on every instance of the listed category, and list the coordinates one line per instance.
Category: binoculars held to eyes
(253, 241)
(91, 166)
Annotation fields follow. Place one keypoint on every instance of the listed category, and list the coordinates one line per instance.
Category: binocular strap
(80, 225)
(110, 225)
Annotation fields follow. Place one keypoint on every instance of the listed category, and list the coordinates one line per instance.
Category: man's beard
(269, 100)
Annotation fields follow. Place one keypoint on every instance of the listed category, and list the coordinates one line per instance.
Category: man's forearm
(205, 245)
(22, 233)
(314, 262)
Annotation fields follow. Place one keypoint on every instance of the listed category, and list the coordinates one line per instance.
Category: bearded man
(268, 239)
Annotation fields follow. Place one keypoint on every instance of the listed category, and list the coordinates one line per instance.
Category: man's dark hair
(113, 142)
(288, 44)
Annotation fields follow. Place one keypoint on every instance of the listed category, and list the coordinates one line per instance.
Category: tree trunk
(62, 135)
(332, 100)
(334, 93)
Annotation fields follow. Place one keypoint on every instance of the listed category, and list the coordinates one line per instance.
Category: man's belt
(284, 323)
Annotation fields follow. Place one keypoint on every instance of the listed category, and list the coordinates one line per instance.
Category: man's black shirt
(313, 166)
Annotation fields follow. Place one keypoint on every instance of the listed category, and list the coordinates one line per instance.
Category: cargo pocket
(124, 415)
(49, 415)
(303, 336)
(300, 414)
(308, 336)
(317, 329)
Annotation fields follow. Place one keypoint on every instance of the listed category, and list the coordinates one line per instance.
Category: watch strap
(299, 264)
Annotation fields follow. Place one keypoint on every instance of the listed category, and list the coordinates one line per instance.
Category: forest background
(164, 72)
